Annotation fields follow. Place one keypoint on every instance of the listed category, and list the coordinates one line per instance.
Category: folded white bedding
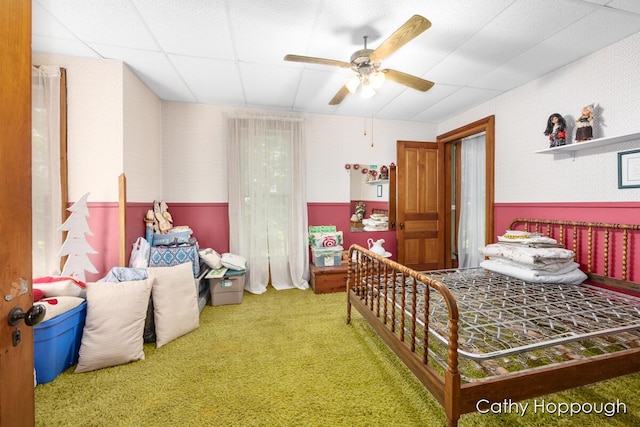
(532, 257)
(573, 276)
(550, 268)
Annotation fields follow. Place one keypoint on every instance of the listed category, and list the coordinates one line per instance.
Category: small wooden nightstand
(329, 279)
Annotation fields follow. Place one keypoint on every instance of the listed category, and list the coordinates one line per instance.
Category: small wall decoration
(629, 169)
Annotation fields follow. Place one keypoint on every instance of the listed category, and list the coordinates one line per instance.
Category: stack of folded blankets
(376, 222)
(532, 257)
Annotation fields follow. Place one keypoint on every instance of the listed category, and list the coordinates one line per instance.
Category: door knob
(32, 317)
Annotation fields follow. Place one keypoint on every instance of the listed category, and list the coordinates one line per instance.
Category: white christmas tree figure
(76, 246)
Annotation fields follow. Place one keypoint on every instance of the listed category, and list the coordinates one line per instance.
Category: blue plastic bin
(57, 343)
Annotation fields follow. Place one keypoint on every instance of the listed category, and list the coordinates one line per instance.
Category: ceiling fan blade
(408, 80)
(337, 99)
(314, 60)
(411, 29)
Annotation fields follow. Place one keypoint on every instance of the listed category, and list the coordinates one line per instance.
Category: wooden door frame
(486, 125)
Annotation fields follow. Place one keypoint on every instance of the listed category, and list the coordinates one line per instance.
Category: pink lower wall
(612, 212)
(609, 212)
(210, 224)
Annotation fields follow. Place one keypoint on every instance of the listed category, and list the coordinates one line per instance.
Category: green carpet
(284, 358)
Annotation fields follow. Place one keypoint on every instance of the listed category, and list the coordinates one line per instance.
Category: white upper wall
(609, 78)
(195, 151)
(142, 140)
(113, 127)
(94, 125)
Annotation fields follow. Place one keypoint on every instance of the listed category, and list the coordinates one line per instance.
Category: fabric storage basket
(167, 256)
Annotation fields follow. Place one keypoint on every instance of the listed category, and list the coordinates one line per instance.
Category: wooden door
(420, 219)
(16, 361)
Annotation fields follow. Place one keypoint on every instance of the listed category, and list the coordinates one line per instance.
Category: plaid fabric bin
(166, 256)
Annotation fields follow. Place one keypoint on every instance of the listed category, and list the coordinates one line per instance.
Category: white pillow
(113, 328)
(234, 262)
(211, 258)
(58, 286)
(175, 302)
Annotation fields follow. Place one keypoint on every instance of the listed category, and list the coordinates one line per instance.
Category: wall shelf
(377, 181)
(577, 146)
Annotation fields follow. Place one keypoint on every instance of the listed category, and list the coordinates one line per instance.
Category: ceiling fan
(366, 63)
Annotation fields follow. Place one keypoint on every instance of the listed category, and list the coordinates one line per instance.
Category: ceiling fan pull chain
(371, 131)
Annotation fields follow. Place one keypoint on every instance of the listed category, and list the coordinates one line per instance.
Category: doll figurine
(556, 130)
(584, 124)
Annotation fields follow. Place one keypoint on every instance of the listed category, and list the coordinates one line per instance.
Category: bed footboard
(372, 287)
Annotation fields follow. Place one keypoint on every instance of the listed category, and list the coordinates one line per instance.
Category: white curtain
(45, 170)
(267, 200)
(471, 230)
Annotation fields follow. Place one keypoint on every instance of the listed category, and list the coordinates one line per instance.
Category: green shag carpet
(285, 358)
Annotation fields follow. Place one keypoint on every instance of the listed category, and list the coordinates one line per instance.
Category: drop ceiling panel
(268, 86)
(211, 81)
(230, 52)
(413, 102)
(45, 24)
(114, 23)
(460, 100)
(315, 90)
(153, 68)
(629, 5)
(201, 29)
(264, 32)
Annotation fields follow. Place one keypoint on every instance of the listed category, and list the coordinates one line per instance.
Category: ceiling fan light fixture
(376, 79)
(367, 91)
(352, 83)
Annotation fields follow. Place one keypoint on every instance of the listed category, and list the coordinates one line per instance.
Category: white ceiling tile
(268, 86)
(115, 22)
(230, 52)
(316, 89)
(153, 68)
(413, 102)
(201, 29)
(211, 81)
(628, 5)
(460, 100)
(263, 31)
(45, 24)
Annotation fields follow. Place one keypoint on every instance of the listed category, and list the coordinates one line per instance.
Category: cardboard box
(56, 343)
(228, 289)
(326, 257)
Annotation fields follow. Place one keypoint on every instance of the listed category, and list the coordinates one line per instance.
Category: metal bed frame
(441, 322)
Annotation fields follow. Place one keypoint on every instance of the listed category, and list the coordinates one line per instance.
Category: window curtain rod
(265, 116)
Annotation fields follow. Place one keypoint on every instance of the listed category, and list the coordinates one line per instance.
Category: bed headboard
(605, 252)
